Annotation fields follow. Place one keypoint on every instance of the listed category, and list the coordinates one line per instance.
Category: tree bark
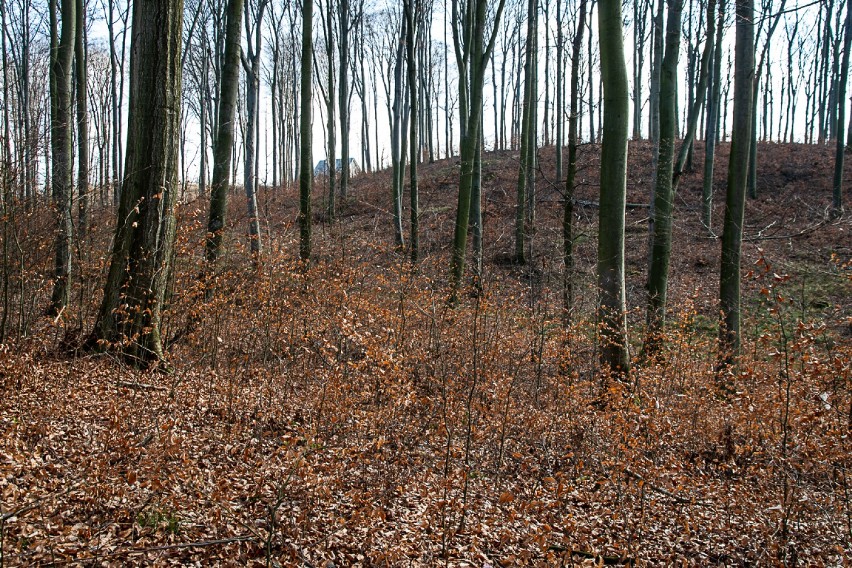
(82, 93)
(837, 201)
(729, 275)
(60, 142)
(223, 143)
(414, 146)
(713, 103)
(658, 275)
(140, 265)
(614, 355)
(473, 66)
(305, 159)
(573, 140)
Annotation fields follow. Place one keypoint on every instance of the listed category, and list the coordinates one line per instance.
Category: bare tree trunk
(223, 143)
(661, 248)
(412, 15)
(305, 160)
(614, 354)
(573, 140)
(713, 103)
(837, 202)
(82, 89)
(60, 141)
(521, 216)
(140, 264)
(729, 275)
(472, 63)
(343, 97)
(251, 64)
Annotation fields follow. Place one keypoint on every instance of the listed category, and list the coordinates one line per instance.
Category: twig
(139, 386)
(666, 492)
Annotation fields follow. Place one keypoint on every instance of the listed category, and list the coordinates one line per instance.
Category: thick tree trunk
(140, 264)
(60, 142)
(614, 353)
(658, 275)
(729, 275)
(223, 143)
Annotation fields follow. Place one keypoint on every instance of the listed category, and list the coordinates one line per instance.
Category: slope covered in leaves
(344, 415)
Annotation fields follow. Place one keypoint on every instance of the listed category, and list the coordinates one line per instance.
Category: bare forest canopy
(485, 282)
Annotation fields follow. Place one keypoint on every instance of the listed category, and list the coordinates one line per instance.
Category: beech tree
(223, 143)
(62, 58)
(305, 159)
(614, 353)
(664, 190)
(140, 263)
(573, 140)
(472, 55)
(729, 275)
(837, 192)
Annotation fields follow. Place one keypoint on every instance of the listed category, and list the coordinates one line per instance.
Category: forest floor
(344, 415)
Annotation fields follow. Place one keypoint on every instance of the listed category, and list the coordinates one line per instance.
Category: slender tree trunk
(82, 93)
(713, 96)
(410, 49)
(698, 99)
(655, 74)
(614, 353)
(140, 264)
(658, 275)
(837, 202)
(305, 159)
(343, 97)
(252, 69)
(729, 276)
(477, 59)
(591, 81)
(752, 168)
(560, 90)
(60, 138)
(526, 125)
(397, 134)
(573, 140)
(223, 143)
